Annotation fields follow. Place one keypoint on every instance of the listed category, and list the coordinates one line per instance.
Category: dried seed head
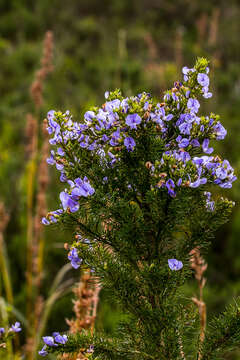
(148, 165)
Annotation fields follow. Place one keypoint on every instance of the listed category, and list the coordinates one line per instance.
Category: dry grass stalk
(179, 47)
(34, 232)
(201, 24)
(214, 27)
(152, 48)
(85, 309)
(199, 266)
(31, 135)
(36, 90)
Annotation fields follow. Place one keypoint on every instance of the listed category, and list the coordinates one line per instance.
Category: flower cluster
(187, 171)
(202, 79)
(116, 127)
(52, 341)
(75, 260)
(14, 328)
(7, 333)
(210, 204)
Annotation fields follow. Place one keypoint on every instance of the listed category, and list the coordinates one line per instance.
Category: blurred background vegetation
(136, 45)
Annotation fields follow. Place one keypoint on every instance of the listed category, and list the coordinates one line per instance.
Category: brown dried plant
(178, 48)
(202, 24)
(36, 89)
(199, 266)
(85, 309)
(151, 45)
(214, 27)
(31, 136)
(35, 213)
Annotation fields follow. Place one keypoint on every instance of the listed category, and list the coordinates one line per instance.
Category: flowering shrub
(136, 172)
(108, 133)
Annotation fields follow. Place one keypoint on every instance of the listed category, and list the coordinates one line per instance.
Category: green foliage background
(100, 45)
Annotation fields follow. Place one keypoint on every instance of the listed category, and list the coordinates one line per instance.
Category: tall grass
(37, 309)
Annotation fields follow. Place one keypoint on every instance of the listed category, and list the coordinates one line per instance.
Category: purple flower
(203, 79)
(51, 159)
(43, 352)
(68, 202)
(193, 105)
(185, 128)
(175, 264)
(207, 94)
(45, 221)
(59, 167)
(61, 339)
(208, 195)
(63, 177)
(115, 138)
(145, 107)
(60, 151)
(205, 147)
(50, 114)
(185, 70)
(168, 117)
(179, 182)
(92, 146)
(16, 327)
(112, 157)
(166, 97)
(2, 331)
(183, 143)
(53, 125)
(195, 143)
(129, 143)
(170, 186)
(133, 120)
(198, 182)
(49, 340)
(180, 120)
(210, 205)
(73, 257)
(89, 115)
(183, 156)
(111, 105)
(226, 185)
(82, 188)
(105, 138)
(175, 97)
(221, 173)
(219, 131)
